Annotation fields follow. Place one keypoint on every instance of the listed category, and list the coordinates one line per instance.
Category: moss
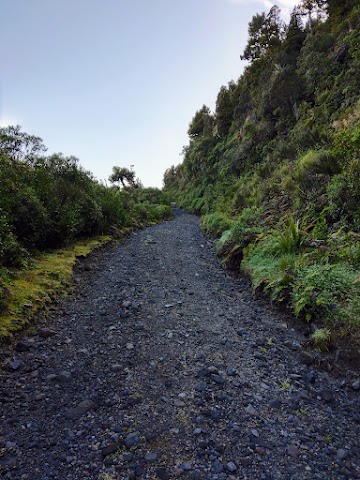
(32, 290)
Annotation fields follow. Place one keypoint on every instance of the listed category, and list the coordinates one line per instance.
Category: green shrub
(11, 252)
(320, 162)
(290, 237)
(216, 223)
(321, 339)
(245, 226)
(330, 291)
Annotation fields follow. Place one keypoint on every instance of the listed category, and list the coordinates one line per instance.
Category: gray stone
(64, 377)
(275, 403)
(327, 394)
(22, 347)
(109, 449)
(127, 456)
(132, 440)
(116, 367)
(231, 372)
(186, 466)
(76, 412)
(341, 454)
(356, 385)
(306, 358)
(217, 466)
(217, 379)
(15, 364)
(151, 457)
(251, 410)
(231, 467)
(293, 451)
(46, 332)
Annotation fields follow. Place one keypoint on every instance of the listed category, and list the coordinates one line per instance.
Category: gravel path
(164, 367)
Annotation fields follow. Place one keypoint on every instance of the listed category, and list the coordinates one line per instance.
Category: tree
(122, 174)
(311, 8)
(19, 145)
(224, 111)
(265, 34)
(202, 123)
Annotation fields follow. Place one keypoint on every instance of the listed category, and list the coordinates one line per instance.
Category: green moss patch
(31, 290)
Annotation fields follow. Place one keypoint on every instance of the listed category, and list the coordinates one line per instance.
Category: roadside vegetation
(52, 211)
(275, 170)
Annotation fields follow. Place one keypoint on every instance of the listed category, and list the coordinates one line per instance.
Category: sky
(117, 82)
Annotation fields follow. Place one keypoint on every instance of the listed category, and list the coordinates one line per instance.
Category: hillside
(275, 170)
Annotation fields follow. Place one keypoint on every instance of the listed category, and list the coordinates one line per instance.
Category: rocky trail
(163, 366)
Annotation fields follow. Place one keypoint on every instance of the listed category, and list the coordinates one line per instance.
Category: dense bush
(277, 178)
(50, 201)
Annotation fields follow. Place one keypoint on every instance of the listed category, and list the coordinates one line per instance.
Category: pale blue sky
(116, 82)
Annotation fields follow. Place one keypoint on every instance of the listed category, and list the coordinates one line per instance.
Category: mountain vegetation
(50, 202)
(275, 170)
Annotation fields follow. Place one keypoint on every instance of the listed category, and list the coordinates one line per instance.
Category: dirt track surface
(163, 366)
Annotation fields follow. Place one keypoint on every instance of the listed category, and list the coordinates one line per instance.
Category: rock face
(164, 367)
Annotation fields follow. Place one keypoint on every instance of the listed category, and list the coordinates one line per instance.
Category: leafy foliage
(277, 176)
(50, 201)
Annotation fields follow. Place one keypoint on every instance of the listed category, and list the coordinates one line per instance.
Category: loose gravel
(163, 366)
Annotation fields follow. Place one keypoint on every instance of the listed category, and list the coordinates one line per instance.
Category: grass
(31, 290)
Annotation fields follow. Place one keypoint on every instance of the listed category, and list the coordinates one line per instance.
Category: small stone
(200, 387)
(15, 364)
(217, 466)
(197, 431)
(151, 457)
(341, 454)
(293, 451)
(130, 346)
(356, 385)
(327, 395)
(162, 474)
(109, 449)
(64, 377)
(132, 440)
(275, 403)
(139, 326)
(51, 377)
(217, 379)
(231, 467)
(231, 372)
(126, 304)
(46, 332)
(22, 347)
(293, 345)
(116, 367)
(76, 412)
(127, 456)
(245, 461)
(186, 466)
(306, 358)
(40, 396)
(310, 377)
(260, 451)
(139, 471)
(251, 410)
